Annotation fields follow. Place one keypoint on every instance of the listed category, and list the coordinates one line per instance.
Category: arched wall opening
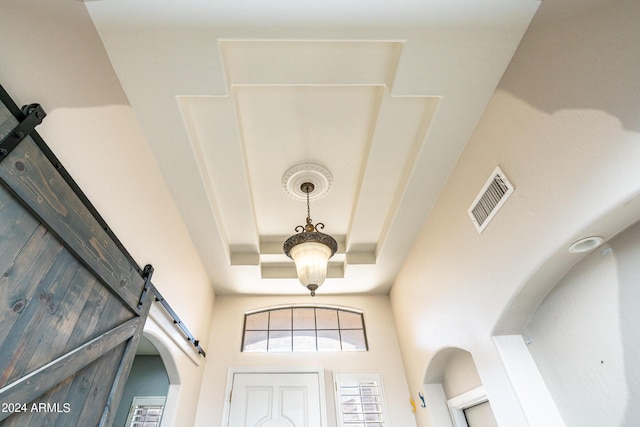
(154, 373)
(557, 317)
(584, 336)
(452, 385)
(163, 344)
(526, 301)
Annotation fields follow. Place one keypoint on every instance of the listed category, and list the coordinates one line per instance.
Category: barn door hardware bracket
(146, 275)
(177, 321)
(148, 289)
(33, 116)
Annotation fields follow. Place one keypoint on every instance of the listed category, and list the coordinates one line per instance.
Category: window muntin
(302, 329)
(145, 411)
(360, 400)
(257, 322)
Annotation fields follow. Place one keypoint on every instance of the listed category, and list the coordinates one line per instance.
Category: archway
(153, 373)
(452, 385)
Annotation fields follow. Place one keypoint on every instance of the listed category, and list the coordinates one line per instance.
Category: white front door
(287, 399)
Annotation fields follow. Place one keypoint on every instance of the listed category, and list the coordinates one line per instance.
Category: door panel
(70, 310)
(276, 400)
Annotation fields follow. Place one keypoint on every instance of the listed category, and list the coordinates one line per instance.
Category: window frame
(292, 307)
(144, 401)
(352, 378)
(469, 399)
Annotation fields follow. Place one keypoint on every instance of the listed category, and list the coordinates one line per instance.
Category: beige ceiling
(232, 96)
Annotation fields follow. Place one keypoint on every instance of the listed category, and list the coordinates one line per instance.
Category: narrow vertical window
(360, 400)
(145, 412)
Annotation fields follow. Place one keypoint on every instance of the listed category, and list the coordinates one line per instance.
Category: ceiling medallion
(312, 173)
(310, 249)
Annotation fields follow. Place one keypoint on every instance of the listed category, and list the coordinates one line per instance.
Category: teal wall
(148, 378)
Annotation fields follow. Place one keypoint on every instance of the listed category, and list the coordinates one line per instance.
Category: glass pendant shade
(310, 249)
(311, 260)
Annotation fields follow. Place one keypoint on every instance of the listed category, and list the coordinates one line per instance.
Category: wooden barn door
(71, 311)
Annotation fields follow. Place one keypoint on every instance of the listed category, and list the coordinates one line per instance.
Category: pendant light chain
(307, 188)
(308, 210)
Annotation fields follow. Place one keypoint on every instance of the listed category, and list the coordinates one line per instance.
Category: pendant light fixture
(310, 249)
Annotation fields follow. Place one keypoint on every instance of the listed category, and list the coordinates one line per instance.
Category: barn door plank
(76, 401)
(100, 313)
(36, 383)
(62, 320)
(71, 314)
(19, 283)
(24, 337)
(31, 417)
(99, 378)
(16, 227)
(115, 395)
(36, 182)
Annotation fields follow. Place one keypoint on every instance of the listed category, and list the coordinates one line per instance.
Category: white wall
(586, 339)
(50, 54)
(383, 354)
(563, 125)
(460, 374)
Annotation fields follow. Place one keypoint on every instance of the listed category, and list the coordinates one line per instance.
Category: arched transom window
(297, 328)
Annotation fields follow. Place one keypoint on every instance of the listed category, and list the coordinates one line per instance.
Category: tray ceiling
(228, 109)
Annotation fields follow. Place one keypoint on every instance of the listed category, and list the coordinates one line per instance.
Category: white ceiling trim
(169, 55)
(234, 139)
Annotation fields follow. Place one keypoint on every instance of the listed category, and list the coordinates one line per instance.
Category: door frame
(458, 404)
(319, 370)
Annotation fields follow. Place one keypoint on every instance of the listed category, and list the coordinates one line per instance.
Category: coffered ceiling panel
(231, 96)
(316, 62)
(347, 122)
(282, 126)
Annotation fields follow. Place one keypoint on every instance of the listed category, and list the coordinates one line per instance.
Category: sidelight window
(360, 400)
(145, 411)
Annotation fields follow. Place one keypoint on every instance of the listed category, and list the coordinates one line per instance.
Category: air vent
(495, 192)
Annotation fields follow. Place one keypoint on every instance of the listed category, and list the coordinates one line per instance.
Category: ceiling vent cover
(495, 192)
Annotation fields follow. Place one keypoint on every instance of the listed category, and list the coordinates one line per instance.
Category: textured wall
(460, 374)
(51, 54)
(586, 340)
(562, 125)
